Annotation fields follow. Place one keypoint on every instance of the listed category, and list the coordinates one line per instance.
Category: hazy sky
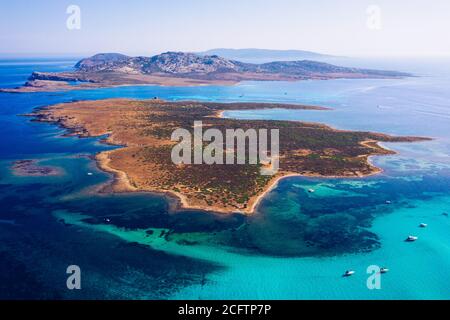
(405, 27)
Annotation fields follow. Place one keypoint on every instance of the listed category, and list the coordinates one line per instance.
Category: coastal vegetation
(143, 162)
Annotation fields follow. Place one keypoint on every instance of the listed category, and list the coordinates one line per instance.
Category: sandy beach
(142, 163)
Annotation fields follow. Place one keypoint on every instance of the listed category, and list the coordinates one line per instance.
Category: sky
(146, 27)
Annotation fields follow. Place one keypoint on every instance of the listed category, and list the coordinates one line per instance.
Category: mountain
(183, 64)
(168, 62)
(265, 55)
(186, 69)
(101, 60)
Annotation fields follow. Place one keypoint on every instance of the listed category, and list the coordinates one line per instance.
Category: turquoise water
(298, 244)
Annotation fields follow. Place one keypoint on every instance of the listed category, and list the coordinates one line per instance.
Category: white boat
(423, 225)
(384, 270)
(411, 238)
(388, 202)
(90, 174)
(348, 273)
(311, 190)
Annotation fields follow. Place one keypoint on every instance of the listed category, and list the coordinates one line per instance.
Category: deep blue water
(296, 246)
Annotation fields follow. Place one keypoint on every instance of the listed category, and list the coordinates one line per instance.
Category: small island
(143, 128)
(185, 69)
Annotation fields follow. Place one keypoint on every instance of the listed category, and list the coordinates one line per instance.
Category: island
(142, 130)
(185, 69)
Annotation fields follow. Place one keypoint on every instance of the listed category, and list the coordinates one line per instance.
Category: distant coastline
(185, 69)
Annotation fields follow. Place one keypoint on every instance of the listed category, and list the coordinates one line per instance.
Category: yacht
(348, 273)
(423, 225)
(384, 270)
(311, 190)
(411, 238)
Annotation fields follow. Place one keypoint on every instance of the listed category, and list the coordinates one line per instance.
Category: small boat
(90, 174)
(348, 273)
(423, 225)
(384, 270)
(311, 190)
(107, 220)
(411, 238)
(388, 202)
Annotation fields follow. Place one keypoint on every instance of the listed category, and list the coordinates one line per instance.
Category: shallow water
(297, 246)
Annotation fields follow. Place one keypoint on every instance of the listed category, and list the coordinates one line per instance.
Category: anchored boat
(348, 273)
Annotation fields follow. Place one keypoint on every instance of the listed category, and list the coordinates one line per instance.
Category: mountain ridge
(186, 69)
(184, 63)
(256, 55)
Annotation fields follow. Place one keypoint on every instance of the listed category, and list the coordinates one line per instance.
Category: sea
(296, 246)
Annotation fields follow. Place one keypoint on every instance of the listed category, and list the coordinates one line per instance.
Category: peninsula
(142, 129)
(185, 69)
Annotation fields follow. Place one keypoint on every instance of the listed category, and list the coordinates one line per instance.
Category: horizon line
(149, 54)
